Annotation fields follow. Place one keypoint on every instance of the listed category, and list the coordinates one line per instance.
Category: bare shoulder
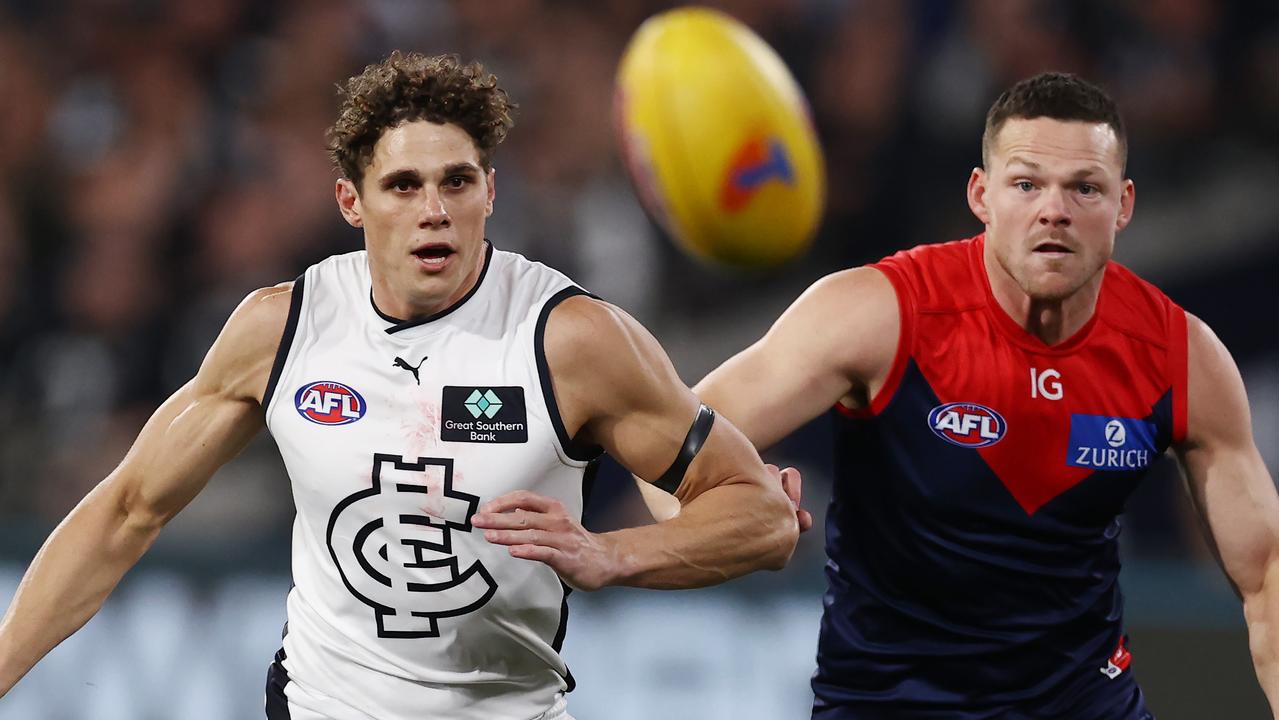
(1209, 362)
(239, 363)
(257, 323)
(850, 318)
(584, 333)
(581, 314)
(1217, 403)
(1203, 345)
(604, 364)
(861, 291)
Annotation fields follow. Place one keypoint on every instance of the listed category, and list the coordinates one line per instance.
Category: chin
(1052, 288)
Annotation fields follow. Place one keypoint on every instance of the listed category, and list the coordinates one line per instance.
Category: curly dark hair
(1060, 96)
(410, 86)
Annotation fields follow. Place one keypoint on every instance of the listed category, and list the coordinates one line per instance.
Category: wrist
(620, 565)
(9, 674)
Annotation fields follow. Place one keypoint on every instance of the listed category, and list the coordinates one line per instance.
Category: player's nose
(1053, 210)
(432, 213)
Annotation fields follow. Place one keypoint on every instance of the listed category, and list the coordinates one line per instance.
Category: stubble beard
(1052, 288)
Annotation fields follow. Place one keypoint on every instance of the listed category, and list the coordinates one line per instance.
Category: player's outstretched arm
(203, 425)
(836, 343)
(1234, 493)
(615, 387)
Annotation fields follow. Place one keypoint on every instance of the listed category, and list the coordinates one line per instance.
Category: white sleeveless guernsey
(393, 433)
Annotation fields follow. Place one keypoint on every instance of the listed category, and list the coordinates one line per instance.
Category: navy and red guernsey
(973, 531)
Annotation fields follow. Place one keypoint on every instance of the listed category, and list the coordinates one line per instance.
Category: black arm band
(697, 434)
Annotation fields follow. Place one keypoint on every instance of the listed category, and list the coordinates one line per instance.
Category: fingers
(519, 509)
(540, 553)
(513, 520)
(535, 550)
(805, 519)
(792, 484)
(522, 537)
(520, 499)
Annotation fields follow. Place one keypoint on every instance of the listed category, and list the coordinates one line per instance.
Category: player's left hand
(793, 485)
(535, 527)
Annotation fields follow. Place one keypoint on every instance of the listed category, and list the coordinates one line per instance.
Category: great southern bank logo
(486, 403)
(1105, 442)
(967, 424)
(483, 414)
(759, 160)
(329, 403)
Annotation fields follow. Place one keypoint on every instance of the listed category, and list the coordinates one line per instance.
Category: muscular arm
(836, 343)
(615, 387)
(1234, 493)
(203, 425)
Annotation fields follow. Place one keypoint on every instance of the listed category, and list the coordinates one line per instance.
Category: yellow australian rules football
(718, 139)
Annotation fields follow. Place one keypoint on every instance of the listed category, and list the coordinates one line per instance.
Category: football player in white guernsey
(436, 402)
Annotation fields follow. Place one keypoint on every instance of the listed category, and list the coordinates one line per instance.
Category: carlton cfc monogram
(396, 558)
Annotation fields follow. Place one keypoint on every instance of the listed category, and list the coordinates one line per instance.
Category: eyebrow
(461, 167)
(396, 176)
(1083, 172)
(412, 175)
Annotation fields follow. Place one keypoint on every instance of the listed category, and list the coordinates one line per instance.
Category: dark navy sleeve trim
(572, 449)
(277, 678)
(557, 644)
(286, 340)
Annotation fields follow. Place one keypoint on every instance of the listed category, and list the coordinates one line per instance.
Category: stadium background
(160, 159)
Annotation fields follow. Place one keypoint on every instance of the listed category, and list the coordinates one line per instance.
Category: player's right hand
(535, 527)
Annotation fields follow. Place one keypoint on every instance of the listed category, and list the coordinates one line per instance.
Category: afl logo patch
(329, 403)
(967, 424)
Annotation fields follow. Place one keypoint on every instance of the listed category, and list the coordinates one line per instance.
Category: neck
(406, 304)
(1052, 321)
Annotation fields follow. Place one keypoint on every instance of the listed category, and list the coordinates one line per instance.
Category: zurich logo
(329, 403)
(1116, 435)
(1106, 442)
(967, 424)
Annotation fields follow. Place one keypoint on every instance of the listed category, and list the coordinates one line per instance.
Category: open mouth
(433, 255)
(1053, 248)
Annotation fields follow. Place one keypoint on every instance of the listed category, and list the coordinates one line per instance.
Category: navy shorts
(277, 705)
(1134, 709)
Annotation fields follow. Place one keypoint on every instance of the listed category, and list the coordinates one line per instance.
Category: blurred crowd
(159, 159)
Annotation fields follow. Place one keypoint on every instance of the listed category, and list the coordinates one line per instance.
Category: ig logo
(1045, 384)
(398, 560)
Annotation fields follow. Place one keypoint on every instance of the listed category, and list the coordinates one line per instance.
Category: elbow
(1259, 590)
(135, 515)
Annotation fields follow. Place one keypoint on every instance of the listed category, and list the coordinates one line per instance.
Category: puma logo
(404, 365)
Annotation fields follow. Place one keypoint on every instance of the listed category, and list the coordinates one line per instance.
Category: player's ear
(1127, 200)
(977, 195)
(491, 179)
(349, 202)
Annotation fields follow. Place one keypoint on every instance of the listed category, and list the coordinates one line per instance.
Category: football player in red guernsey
(999, 398)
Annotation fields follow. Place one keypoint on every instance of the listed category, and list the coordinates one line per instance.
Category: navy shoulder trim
(286, 340)
(572, 449)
